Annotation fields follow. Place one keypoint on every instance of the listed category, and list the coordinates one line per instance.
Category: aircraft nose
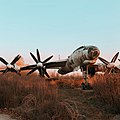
(94, 53)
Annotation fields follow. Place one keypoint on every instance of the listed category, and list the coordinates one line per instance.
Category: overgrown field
(107, 90)
(35, 98)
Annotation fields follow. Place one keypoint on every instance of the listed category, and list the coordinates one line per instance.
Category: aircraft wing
(28, 67)
(56, 64)
(102, 68)
(49, 65)
(2, 70)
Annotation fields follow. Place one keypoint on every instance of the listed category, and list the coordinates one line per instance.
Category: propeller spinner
(40, 65)
(110, 65)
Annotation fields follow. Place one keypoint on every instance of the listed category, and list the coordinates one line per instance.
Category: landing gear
(86, 85)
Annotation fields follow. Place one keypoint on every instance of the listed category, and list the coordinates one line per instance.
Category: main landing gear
(86, 85)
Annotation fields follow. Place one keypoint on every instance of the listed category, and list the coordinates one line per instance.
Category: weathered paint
(84, 55)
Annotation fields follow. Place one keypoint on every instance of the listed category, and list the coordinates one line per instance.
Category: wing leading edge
(56, 64)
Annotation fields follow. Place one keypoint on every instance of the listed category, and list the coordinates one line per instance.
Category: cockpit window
(82, 47)
(93, 52)
(93, 47)
(90, 49)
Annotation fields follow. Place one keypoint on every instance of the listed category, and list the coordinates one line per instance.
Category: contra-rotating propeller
(12, 67)
(40, 65)
(110, 66)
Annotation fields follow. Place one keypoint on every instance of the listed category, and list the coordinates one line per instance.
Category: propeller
(40, 65)
(119, 59)
(110, 66)
(10, 66)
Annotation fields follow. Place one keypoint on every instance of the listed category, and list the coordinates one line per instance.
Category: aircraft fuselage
(84, 55)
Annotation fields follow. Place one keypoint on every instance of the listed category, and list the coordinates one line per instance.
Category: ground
(5, 117)
(87, 107)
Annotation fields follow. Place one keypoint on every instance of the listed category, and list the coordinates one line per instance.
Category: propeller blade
(15, 59)
(28, 67)
(103, 60)
(34, 69)
(108, 70)
(2, 70)
(41, 72)
(38, 55)
(116, 70)
(13, 70)
(34, 57)
(5, 71)
(119, 59)
(3, 61)
(47, 59)
(45, 72)
(115, 58)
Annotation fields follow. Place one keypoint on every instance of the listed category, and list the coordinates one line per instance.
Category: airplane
(11, 67)
(83, 56)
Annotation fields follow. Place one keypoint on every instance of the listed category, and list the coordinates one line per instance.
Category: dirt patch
(6, 117)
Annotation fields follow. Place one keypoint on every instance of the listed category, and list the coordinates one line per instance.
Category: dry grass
(107, 90)
(67, 81)
(33, 98)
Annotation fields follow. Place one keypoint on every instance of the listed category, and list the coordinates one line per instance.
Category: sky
(58, 27)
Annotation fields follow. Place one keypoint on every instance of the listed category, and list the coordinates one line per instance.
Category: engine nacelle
(16, 67)
(64, 70)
